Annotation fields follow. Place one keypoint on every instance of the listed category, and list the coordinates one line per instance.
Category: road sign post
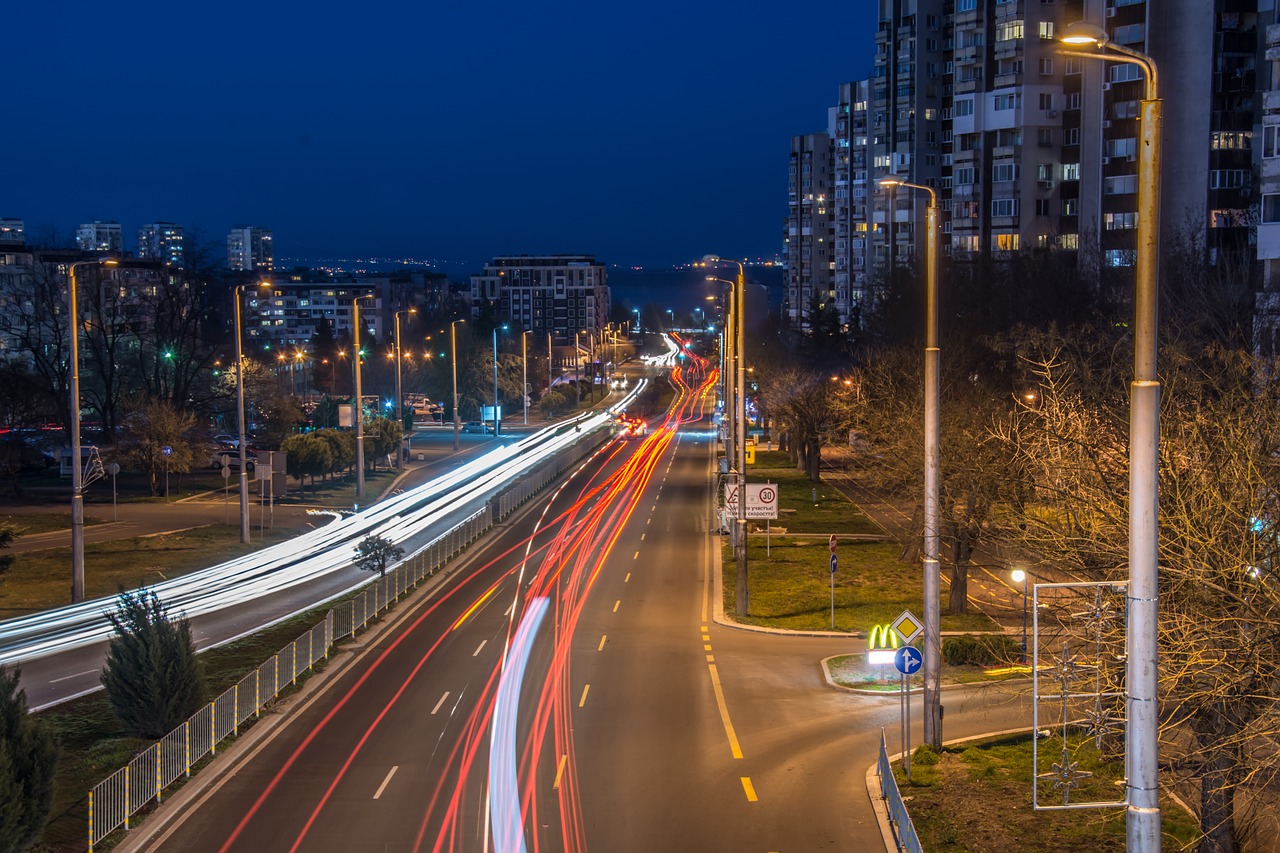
(907, 661)
(833, 589)
(113, 469)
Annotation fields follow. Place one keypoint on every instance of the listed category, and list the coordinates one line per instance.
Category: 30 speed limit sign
(762, 500)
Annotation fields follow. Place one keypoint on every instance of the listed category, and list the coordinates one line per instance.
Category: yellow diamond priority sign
(908, 627)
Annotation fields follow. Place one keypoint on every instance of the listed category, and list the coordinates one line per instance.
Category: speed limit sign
(762, 500)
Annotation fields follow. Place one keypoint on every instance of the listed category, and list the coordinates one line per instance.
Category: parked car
(233, 460)
(477, 427)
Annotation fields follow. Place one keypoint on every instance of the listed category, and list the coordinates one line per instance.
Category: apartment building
(250, 248)
(559, 295)
(161, 241)
(1267, 151)
(1031, 149)
(103, 238)
(12, 231)
(810, 241)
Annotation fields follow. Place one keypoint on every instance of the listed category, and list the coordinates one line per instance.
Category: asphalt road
(624, 717)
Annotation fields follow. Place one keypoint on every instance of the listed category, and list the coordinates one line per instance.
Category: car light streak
(408, 517)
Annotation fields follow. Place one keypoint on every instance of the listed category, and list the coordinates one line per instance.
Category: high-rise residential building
(161, 241)
(1266, 149)
(100, 237)
(1030, 149)
(556, 294)
(810, 238)
(12, 230)
(249, 248)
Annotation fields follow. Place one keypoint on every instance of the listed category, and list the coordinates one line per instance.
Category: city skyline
(451, 133)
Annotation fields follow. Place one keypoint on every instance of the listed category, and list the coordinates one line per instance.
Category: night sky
(644, 134)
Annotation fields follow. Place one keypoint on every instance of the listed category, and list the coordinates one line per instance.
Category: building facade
(250, 248)
(13, 231)
(161, 241)
(1029, 149)
(559, 295)
(810, 239)
(102, 238)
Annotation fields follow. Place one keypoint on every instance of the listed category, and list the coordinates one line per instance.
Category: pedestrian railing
(538, 479)
(120, 796)
(904, 832)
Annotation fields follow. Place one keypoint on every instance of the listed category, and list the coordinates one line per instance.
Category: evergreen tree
(153, 678)
(28, 752)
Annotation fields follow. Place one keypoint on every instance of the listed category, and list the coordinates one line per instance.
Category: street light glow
(1084, 34)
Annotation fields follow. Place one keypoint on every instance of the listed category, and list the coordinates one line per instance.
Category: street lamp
(743, 600)
(244, 475)
(355, 341)
(932, 405)
(77, 466)
(497, 422)
(1142, 818)
(524, 369)
(453, 361)
(1019, 576)
(399, 392)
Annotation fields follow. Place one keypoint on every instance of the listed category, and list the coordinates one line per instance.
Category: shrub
(28, 753)
(980, 650)
(153, 678)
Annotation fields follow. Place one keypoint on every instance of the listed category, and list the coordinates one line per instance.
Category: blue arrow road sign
(907, 660)
(833, 564)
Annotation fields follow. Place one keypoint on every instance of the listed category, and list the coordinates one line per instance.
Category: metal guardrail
(114, 800)
(536, 480)
(904, 832)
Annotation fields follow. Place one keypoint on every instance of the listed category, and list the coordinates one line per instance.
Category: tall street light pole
(399, 392)
(240, 426)
(932, 477)
(453, 361)
(1142, 818)
(743, 599)
(355, 323)
(77, 464)
(524, 369)
(497, 421)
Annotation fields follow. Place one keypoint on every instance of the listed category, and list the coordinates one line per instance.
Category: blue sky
(645, 134)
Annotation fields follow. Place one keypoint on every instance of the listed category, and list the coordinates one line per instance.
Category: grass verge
(977, 796)
(27, 524)
(791, 587)
(94, 745)
(797, 511)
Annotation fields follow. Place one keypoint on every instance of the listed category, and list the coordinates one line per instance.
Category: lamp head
(110, 262)
(1018, 575)
(890, 182)
(710, 259)
(1084, 34)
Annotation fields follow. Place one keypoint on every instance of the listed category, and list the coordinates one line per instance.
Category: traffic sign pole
(833, 591)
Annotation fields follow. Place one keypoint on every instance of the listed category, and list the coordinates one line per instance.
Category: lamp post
(355, 323)
(77, 464)
(453, 361)
(1142, 818)
(932, 404)
(524, 370)
(240, 448)
(497, 421)
(743, 599)
(1019, 576)
(399, 392)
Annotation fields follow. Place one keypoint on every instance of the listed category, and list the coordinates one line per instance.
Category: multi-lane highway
(570, 690)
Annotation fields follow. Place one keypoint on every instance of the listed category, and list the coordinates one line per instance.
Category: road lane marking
(583, 701)
(603, 637)
(383, 786)
(706, 648)
(711, 658)
(637, 556)
(705, 629)
(616, 605)
(642, 535)
(750, 789)
(441, 702)
(479, 647)
(560, 771)
(706, 638)
(627, 579)
(77, 675)
(724, 712)
(649, 520)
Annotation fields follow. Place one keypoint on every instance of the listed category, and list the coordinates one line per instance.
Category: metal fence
(538, 479)
(904, 832)
(120, 796)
